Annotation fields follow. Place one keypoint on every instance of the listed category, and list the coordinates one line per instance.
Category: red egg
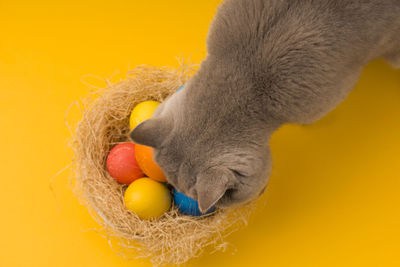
(122, 164)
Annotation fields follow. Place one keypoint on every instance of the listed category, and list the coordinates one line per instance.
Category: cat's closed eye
(238, 173)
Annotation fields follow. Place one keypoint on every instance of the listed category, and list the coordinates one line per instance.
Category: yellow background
(334, 194)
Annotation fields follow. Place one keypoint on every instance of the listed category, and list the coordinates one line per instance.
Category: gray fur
(269, 62)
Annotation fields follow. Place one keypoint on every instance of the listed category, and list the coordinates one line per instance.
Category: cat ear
(211, 186)
(150, 132)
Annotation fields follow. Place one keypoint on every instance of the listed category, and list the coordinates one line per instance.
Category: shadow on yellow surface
(333, 197)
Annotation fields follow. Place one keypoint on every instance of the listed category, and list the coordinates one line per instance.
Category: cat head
(203, 154)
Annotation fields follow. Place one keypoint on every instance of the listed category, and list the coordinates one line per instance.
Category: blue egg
(188, 205)
(180, 88)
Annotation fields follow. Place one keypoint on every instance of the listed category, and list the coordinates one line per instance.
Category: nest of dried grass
(174, 238)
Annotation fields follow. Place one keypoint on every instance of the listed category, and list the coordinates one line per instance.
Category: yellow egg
(143, 111)
(147, 198)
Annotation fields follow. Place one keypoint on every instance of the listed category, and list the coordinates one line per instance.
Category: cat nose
(172, 181)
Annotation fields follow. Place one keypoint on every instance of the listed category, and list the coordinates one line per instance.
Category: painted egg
(144, 158)
(187, 205)
(122, 165)
(142, 111)
(147, 198)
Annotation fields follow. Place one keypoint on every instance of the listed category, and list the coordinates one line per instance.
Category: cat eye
(238, 173)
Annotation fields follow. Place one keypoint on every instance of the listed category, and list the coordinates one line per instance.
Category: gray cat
(269, 62)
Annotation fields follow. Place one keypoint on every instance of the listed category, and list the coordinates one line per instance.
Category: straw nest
(173, 238)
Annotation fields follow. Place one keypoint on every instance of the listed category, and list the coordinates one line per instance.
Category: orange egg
(144, 158)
